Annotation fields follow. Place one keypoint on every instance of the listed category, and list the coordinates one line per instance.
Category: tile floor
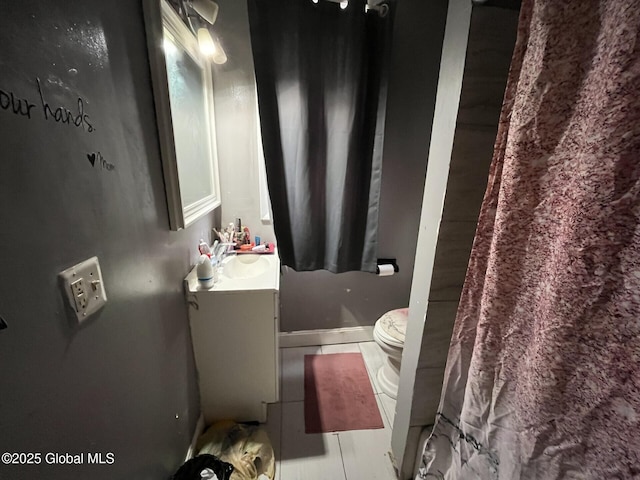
(353, 455)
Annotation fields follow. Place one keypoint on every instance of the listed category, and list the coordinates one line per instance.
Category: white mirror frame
(158, 15)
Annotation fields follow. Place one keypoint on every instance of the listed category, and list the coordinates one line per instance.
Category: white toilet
(389, 333)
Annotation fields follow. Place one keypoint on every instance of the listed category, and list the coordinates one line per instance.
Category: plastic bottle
(205, 272)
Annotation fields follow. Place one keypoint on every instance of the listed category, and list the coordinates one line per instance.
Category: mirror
(183, 95)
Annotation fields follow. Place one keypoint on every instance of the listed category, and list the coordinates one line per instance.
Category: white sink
(241, 272)
(244, 265)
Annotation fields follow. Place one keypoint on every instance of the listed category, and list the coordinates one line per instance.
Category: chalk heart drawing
(92, 158)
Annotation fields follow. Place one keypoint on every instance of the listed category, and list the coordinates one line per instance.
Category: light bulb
(219, 57)
(205, 42)
(344, 4)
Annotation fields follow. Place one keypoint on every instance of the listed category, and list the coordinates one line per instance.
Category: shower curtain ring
(381, 8)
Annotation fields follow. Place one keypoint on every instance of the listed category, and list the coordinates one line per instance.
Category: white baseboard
(196, 434)
(329, 336)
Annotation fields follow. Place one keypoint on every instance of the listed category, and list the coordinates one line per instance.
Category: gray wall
(315, 300)
(125, 381)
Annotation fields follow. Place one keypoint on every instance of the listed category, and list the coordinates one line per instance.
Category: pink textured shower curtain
(543, 374)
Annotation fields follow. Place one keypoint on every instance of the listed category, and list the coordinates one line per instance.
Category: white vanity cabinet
(234, 328)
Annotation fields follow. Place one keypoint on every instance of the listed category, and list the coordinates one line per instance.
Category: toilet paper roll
(385, 270)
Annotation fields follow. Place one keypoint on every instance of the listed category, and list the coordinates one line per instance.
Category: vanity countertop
(242, 272)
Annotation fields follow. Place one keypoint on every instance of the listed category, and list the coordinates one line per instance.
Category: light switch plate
(83, 287)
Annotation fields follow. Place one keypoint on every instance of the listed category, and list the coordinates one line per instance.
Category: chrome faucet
(221, 250)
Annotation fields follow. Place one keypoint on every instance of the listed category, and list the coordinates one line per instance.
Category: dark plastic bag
(196, 469)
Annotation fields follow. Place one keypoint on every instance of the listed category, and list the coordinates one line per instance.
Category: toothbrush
(203, 248)
(218, 234)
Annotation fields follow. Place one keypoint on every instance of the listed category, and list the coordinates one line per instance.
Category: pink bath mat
(338, 395)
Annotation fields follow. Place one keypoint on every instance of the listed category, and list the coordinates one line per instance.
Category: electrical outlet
(83, 287)
(77, 287)
(79, 297)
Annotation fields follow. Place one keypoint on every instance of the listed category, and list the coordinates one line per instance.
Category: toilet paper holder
(387, 261)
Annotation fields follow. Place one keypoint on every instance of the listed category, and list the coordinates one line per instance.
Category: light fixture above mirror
(207, 9)
(200, 16)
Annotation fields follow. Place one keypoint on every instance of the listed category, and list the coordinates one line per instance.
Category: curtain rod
(509, 4)
(378, 5)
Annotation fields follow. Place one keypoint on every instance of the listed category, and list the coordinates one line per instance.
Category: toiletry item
(259, 248)
(204, 272)
(247, 235)
(214, 266)
(231, 232)
(218, 235)
(203, 248)
(258, 240)
(238, 225)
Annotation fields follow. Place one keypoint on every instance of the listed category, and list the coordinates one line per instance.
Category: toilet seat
(388, 344)
(392, 326)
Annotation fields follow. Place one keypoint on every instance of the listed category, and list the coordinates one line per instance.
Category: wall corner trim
(404, 438)
(199, 430)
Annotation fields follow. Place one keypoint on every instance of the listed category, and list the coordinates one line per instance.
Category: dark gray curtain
(322, 87)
